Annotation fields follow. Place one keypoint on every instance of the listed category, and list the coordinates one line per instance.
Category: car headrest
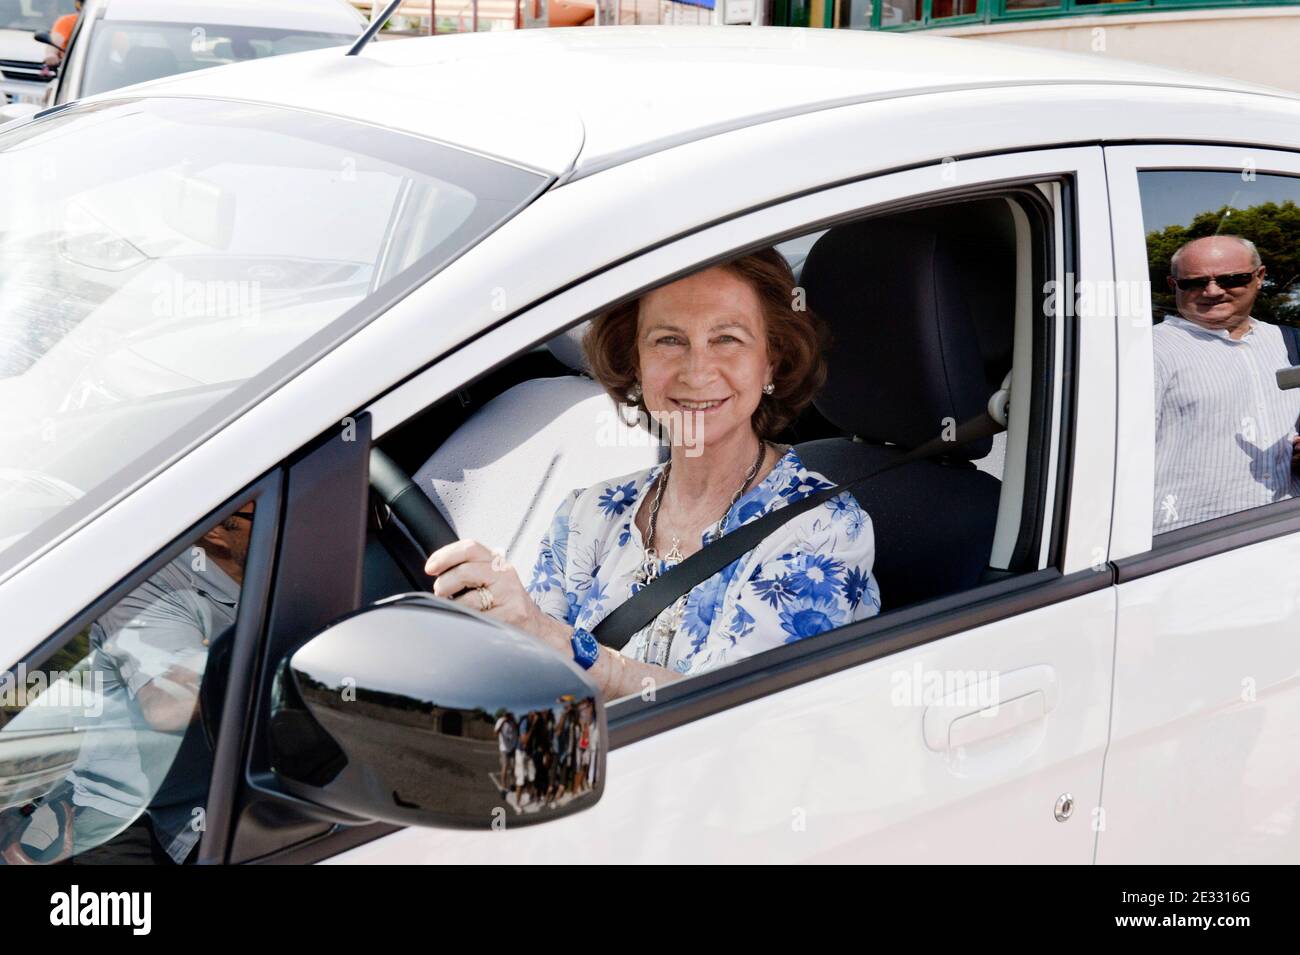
(904, 354)
(567, 349)
(143, 63)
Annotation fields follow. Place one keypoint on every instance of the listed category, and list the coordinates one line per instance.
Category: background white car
(295, 283)
(122, 42)
(21, 56)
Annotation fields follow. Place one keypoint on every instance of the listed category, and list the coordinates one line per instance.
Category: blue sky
(1175, 197)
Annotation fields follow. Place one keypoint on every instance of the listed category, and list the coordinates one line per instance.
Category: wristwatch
(585, 648)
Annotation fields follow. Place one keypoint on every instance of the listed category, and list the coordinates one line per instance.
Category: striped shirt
(1223, 427)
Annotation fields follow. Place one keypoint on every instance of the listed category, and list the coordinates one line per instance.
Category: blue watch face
(585, 647)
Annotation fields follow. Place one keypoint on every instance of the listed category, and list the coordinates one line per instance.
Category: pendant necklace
(666, 624)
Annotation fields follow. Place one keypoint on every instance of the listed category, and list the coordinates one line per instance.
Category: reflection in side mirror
(414, 711)
(42, 36)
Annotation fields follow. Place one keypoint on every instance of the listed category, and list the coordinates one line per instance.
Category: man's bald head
(1213, 306)
(1212, 243)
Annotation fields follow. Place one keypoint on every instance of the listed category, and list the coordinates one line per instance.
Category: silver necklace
(667, 623)
(674, 555)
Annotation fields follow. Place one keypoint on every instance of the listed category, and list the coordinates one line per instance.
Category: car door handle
(990, 705)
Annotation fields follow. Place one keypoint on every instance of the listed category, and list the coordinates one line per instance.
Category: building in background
(1257, 41)
(463, 16)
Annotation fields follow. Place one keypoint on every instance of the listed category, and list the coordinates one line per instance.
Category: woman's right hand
(463, 567)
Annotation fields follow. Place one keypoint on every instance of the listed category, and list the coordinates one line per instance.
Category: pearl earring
(769, 388)
(634, 393)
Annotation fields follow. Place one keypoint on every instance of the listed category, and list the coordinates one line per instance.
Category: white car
(119, 43)
(345, 290)
(22, 57)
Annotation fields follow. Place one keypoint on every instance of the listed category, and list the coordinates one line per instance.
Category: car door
(1205, 729)
(873, 742)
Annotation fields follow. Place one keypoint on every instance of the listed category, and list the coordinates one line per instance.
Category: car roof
(577, 99)
(323, 16)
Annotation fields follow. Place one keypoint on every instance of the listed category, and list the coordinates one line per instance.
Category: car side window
(106, 746)
(538, 464)
(1224, 260)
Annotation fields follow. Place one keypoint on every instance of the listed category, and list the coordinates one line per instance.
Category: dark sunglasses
(1231, 280)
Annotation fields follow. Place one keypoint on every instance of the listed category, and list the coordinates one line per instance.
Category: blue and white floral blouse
(810, 575)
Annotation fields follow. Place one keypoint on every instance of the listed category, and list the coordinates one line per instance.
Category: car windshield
(126, 52)
(33, 15)
(164, 263)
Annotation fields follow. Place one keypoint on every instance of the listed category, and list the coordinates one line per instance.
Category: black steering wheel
(422, 521)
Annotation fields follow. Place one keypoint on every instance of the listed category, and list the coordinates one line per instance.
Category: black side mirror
(44, 37)
(414, 711)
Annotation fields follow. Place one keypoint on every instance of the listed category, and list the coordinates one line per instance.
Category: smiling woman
(721, 360)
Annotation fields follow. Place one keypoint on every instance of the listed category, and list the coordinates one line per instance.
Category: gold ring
(485, 601)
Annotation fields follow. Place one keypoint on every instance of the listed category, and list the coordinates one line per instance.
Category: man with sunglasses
(1226, 436)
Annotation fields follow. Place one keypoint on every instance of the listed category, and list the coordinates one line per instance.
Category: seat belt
(617, 628)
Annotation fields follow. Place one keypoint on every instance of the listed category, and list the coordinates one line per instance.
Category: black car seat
(906, 358)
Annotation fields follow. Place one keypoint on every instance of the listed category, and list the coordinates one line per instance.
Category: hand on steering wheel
(480, 579)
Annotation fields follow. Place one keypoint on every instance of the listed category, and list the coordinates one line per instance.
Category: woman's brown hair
(796, 342)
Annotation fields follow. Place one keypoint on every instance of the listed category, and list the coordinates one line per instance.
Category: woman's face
(703, 357)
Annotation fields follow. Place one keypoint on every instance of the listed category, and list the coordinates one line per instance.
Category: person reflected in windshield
(718, 363)
(1226, 436)
(140, 780)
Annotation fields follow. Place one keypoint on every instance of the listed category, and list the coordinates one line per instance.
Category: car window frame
(1136, 551)
(320, 547)
(770, 224)
(253, 598)
(536, 322)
